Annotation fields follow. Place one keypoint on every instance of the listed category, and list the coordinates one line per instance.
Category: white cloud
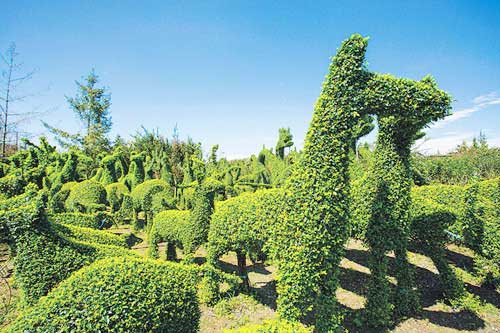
(442, 144)
(479, 103)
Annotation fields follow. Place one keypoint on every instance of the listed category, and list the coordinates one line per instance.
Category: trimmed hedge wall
(90, 235)
(118, 295)
(99, 220)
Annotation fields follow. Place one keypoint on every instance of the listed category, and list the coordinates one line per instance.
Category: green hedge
(429, 222)
(142, 196)
(90, 235)
(87, 196)
(168, 226)
(244, 223)
(114, 195)
(42, 256)
(118, 295)
(126, 212)
(272, 326)
(99, 220)
(11, 185)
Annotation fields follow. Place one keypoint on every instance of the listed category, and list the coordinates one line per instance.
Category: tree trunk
(242, 269)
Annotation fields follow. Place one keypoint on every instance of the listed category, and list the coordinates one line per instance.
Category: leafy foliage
(314, 225)
(125, 294)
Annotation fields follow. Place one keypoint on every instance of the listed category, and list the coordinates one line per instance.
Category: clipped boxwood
(86, 196)
(118, 295)
(99, 220)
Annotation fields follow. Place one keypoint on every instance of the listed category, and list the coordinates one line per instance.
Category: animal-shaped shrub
(142, 196)
(186, 229)
(86, 197)
(118, 295)
(244, 224)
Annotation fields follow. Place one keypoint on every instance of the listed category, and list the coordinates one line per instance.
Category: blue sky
(233, 72)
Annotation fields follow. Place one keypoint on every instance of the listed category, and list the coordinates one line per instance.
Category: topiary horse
(403, 107)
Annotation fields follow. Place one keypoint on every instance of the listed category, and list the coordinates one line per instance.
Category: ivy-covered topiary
(403, 107)
(315, 223)
(85, 197)
(118, 295)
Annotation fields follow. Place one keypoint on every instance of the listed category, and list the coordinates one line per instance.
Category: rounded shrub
(118, 295)
(86, 196)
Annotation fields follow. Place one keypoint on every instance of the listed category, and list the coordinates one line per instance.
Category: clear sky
(233, 72)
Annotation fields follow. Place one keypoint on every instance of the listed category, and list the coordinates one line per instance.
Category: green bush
(58, 200)
(315, 223)
(168, 226)
(118, 295)
(142, 196)
(86, 197)
(11, 185)
(90, 235)
(42, 256)
(99, 220)
(244, 223)
(429, 222)
(136, 172)
(114, 195)
(162, 201)
(272, 326)
(126, 212)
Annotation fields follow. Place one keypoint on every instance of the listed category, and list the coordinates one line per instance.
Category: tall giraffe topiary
(315, 225)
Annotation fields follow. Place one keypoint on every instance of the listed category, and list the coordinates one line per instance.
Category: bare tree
(12, 77)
